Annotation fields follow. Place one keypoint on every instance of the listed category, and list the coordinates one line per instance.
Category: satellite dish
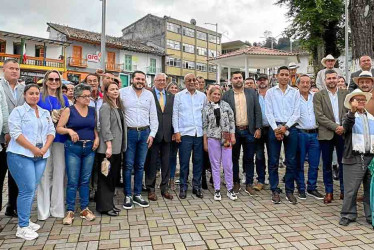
(193, 21)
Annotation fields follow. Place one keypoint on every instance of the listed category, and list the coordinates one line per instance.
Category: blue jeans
(243, 137)
(260, 154)
(327, 148)
(135, 155)
(308, 146)
(27, 173)
(187, 145)
(173, 158)
(79, 160)
(290, 148)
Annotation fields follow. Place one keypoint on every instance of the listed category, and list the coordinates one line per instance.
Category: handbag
(105, 167)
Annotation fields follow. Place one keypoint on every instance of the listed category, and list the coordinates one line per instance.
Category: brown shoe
(87, 214)
(258, 187)
(328, 198)
(172, 184)
(167, 195)
(249, 190)
(275, 198)
(341, 196)
(236, 187)
(68, 220)
(152, 196)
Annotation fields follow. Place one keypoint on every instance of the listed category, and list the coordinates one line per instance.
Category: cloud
(238, 20)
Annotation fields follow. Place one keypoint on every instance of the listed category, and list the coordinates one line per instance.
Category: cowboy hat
(292, 65)
(328, 57)
(347, 101)
(363, 74)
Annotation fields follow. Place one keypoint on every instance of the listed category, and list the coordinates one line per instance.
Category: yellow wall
(188, 56)
(173, 53)
(188, 71)
(173, 36)
(172, 71)
(189, 40)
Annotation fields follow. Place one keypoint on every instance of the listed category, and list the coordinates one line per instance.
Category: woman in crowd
(173, 88)
(32, 133)
(341, 83)
(113, 143)
(219, 136)
(51, 189)
(79, 122)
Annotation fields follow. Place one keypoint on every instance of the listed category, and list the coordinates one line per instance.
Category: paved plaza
(193, 223)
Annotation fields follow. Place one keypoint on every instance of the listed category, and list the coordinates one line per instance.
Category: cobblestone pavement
(193, 223)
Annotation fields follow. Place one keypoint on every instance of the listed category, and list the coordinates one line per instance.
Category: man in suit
(248, 123)
(160, 149)
(365, 65)
(14, 97)
(329, 110)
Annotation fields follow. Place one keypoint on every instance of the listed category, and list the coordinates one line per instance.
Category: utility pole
(103, 38)
(346, 41)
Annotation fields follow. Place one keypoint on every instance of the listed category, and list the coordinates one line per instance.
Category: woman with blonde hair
(51, 188)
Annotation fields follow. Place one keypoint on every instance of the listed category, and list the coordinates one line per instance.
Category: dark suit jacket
(325, 115)
(165, 129)
(352, 84)
(253, 108)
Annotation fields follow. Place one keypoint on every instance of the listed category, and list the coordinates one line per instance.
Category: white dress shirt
(187, 113)
(282, 107)
(307, 118)
(335, 105)
(139, 111)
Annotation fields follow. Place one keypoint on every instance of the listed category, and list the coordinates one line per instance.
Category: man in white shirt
(282, 109)
(142, 125)
(328, 62)
(308, 144)
(188, 129)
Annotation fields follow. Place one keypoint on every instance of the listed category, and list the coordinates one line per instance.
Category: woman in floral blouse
(219, 136)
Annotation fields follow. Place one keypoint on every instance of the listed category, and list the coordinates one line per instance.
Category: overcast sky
(237, 19)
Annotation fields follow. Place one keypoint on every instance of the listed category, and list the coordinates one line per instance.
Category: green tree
(317, 24)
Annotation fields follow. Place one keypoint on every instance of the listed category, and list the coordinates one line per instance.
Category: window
(212, 53)
(212, 39)
(212, 68)
(39, 51)
(174, 62)
(152, 66)
(173, 44)
(188, 65)
(173, 27)
(128, 62)
(201, 67)
(188, 32)
(2, 46)
(201, 51)
(188, 48)
(201, 35)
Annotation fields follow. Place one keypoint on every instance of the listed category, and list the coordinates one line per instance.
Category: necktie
(162, 101)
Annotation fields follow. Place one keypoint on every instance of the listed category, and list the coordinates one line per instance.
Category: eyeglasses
(54, 79)
(360, 100)
(85, 96)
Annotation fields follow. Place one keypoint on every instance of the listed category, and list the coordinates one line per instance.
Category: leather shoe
(328, 198)
(198, 193)
(183, 194)
(345, 221)
(116, 209)
(152, 196)
(11, 212)
(167, 195)
(111, 213)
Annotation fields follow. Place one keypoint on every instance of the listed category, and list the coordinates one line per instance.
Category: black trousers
(12, 186)
(158, 151)
(106, 185)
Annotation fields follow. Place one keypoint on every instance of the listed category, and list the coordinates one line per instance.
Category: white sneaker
(232, 196)
(217, 195)
(26, 233)
(35, 227)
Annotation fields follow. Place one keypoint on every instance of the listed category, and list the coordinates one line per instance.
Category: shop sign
(95, 58)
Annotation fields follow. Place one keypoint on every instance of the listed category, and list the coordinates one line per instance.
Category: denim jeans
(308, 146)
(290, 148)
(187, 145)
(173, 158)
(260, 154)
(135, 155)
(27, 173)
(327, 148)
(243, 137)
(79, 159)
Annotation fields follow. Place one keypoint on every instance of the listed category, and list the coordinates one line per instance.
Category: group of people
(98, 129)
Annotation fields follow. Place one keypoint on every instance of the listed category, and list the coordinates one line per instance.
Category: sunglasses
(54, 79)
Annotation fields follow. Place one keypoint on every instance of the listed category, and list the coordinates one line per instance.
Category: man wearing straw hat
(365, 82)
(293, 75)
(359, 151)
(365, 65)
(328, 62)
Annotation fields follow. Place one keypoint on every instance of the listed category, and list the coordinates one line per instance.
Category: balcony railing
(153, 70)
(37, 61)
(116, 67)
(77, 62)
